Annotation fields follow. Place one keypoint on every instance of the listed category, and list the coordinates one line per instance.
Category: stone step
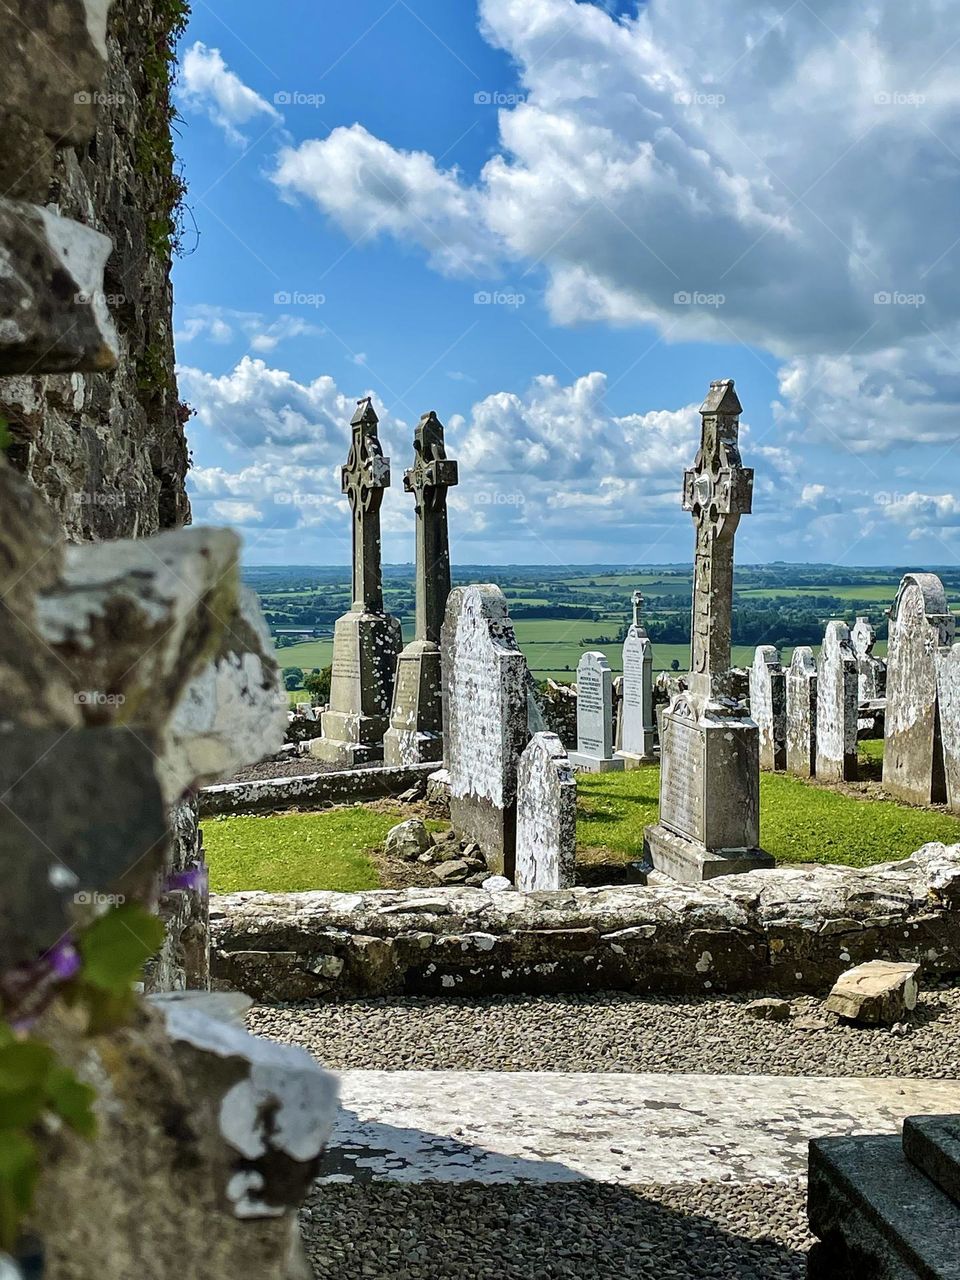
(496, 1127)
(932, 1144)
(878, 1216)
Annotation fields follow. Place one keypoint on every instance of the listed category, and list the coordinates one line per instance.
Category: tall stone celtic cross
(637, 608)
(431, 475)
(363, 480)
(717, 491)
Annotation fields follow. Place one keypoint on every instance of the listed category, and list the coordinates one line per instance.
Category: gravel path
(613, 1031)
(580, 1231)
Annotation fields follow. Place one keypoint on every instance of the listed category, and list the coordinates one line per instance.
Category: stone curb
(791, 929)
(311, 789)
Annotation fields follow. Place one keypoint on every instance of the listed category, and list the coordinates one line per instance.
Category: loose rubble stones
(408, 840)
(876, 992)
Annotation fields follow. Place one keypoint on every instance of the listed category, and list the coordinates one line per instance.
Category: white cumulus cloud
(207, 84)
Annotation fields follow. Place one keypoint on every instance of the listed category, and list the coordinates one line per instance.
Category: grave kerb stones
(837, 706)
(709, 748)
(546, 816)
(636, 725)
(366, 640)
(415, 735)
(801, 681)
(921, 625)
(594, 752)
(484, 720)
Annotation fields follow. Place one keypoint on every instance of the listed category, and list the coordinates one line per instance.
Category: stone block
(415, 735)
(932, 1145)
(53, 316)
(768, 709)
(801, 696)
(877, 1216)
(878, 992)
(594, 751)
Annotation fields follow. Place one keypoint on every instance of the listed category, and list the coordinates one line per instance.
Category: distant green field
(552, 649)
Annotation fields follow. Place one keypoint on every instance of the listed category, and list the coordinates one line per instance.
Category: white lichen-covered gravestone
(921, 625)
(636, 727)
(863, 637)
(837, 706)
(594, 751)
(801, 684)
(768, 697)
(948, 694)
(546, 816)
(484, 720)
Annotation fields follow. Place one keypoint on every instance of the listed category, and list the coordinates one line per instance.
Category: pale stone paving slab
(440, 1126)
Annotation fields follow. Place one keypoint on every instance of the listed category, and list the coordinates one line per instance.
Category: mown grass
(283, 853)
(799, 821)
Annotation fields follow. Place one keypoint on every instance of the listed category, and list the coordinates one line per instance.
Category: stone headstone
(801, 682)
(484, 720)
(546, 816)
(636, 725)
(594, 751)
(920, 626)
(837, 706)
(870, 670)
(415, 735)
(768, 706)
(948, 696)
(709, 746)
(366, 640)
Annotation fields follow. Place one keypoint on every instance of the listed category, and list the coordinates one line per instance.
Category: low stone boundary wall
(786, 930)
(311, 789)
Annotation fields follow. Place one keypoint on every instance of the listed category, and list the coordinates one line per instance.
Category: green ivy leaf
(115, 947)
(18, 1176)
(72, 1100)
(23, 1065)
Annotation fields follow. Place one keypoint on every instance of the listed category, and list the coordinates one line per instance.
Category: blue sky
(554, 223)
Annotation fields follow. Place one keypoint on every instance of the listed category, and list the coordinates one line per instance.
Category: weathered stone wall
(311, 790)
(792, 929)
(107, 450)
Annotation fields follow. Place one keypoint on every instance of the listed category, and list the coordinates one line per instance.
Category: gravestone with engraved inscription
(636, 727)
(485, 720)
(709, 749)
(366, 641)
(594, 752)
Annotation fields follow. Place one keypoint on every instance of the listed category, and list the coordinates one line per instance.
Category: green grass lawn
(333, 849)
(799, 822)
(292, 851)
